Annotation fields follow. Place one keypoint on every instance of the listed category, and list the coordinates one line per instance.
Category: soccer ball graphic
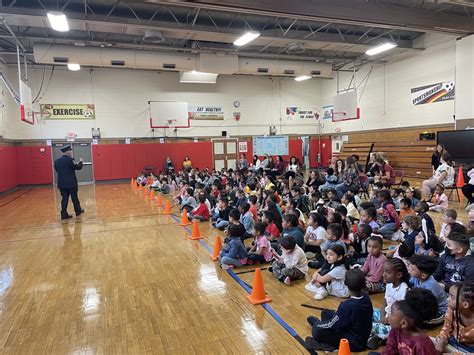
(87, 113)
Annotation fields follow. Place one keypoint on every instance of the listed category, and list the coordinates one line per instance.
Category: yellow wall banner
(68, 111)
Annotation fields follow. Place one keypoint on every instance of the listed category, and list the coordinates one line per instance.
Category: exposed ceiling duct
(152, 60)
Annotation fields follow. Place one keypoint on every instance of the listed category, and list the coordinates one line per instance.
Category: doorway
(79, 150)
(224, 152)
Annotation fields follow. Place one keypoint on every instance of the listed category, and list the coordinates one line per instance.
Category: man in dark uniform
(67, 181)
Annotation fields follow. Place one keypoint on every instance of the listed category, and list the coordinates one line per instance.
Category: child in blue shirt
(352, 320)
(421, 270)
(234, 252)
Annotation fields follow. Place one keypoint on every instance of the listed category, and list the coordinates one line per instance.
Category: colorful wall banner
(301, 113)
(68, 111)
(205, 112)
(433, 93)
(327, 112)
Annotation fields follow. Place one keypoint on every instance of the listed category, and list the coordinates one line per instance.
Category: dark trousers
(468, 191)
(65, 193)
(327, 336)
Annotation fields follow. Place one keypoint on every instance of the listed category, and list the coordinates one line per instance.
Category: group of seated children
(426, 278)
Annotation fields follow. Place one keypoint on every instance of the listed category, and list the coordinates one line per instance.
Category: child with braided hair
(406, 318)
(396, 276)
(457, 334)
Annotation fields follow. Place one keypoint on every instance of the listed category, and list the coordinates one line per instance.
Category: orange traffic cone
(132, 181)
(460, 182)
(134, 185)
(344, 348)
(167, 208)
(146, 190)
(196, 234)
(217, 249)
(140, 187)
(258, 292)
(184, 218)
(159, 200)
(152, 194)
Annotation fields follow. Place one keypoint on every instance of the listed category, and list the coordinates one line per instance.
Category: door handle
(86, 163)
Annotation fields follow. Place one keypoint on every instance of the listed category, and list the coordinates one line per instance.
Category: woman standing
(187, 164)
(349, 178)
(444, 175)
(436, 157)
(169, 166)
(243, 164)
(293, 168)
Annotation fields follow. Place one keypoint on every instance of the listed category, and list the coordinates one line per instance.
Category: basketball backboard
(169, 114)
(346, 106)
(26, 104)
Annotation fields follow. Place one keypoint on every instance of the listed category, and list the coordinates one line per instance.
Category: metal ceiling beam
(344, 12)
(201, 32)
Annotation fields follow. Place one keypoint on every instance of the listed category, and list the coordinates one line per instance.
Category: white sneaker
(397, 236)
(311, 287)
(321, 293)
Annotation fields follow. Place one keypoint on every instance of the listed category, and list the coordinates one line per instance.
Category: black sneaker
(270, 269)
(66, 216)
(314, 264)
(312, 320)
(310, 345)
(282, 278)
(80, 212)
(374, 342)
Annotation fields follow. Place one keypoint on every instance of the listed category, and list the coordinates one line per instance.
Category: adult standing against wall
(436, 157)
(169, 166)
(242, 164)
(187, 164)
(67, 181)
(444, 175)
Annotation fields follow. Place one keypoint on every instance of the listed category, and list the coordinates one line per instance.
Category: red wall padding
(118, 161)
(25, 166)
(8, 172)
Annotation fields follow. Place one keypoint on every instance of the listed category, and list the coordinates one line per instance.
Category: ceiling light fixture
(302, 77)
(58, 21)
(381, 48)
(246, 38)
(73, 67)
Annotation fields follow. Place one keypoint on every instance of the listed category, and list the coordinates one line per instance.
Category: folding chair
(364, 182)
(399, 174)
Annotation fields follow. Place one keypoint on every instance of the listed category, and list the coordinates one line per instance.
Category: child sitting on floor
(368, 216)
(449, 218)
(395, 194)
(440, 200)
(234, 253)
(396, 277)
(315, 233)
(331, 180)
(165, 187)
(373, 267)
(457, 334)
(405, 208)
(406, 318)
(352, 320)
(221, 218)
(389, 216)
(333, 236)
(361, 238)
(421, 270)
(290, 228)
(260, 252)
(410, 194)
(330, 281)
(246, 218)
(411, 225)
(427, 224)
(188, 202)
(455, 265)
(291, 264)
(201, 213)
(271, 232)
(349, 202)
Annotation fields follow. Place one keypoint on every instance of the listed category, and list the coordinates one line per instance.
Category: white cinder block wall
(121, 98)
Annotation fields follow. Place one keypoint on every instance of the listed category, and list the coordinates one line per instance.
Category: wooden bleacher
(402, 149)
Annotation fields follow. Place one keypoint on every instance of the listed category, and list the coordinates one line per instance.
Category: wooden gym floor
(125, 279)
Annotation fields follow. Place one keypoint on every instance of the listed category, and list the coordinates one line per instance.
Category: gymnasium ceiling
(334, 31)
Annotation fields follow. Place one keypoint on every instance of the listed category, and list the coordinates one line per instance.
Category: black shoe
(270, 269)
(312, 320)
(80, 212)
(66, 216)
(282, 278)
(374, 343)
(310, 345)
(314, 264)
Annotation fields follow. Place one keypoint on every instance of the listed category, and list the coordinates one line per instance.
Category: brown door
(225, 153)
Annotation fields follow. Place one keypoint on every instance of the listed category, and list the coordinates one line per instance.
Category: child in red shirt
(201, 213)
(253, 207)
(271, 232)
